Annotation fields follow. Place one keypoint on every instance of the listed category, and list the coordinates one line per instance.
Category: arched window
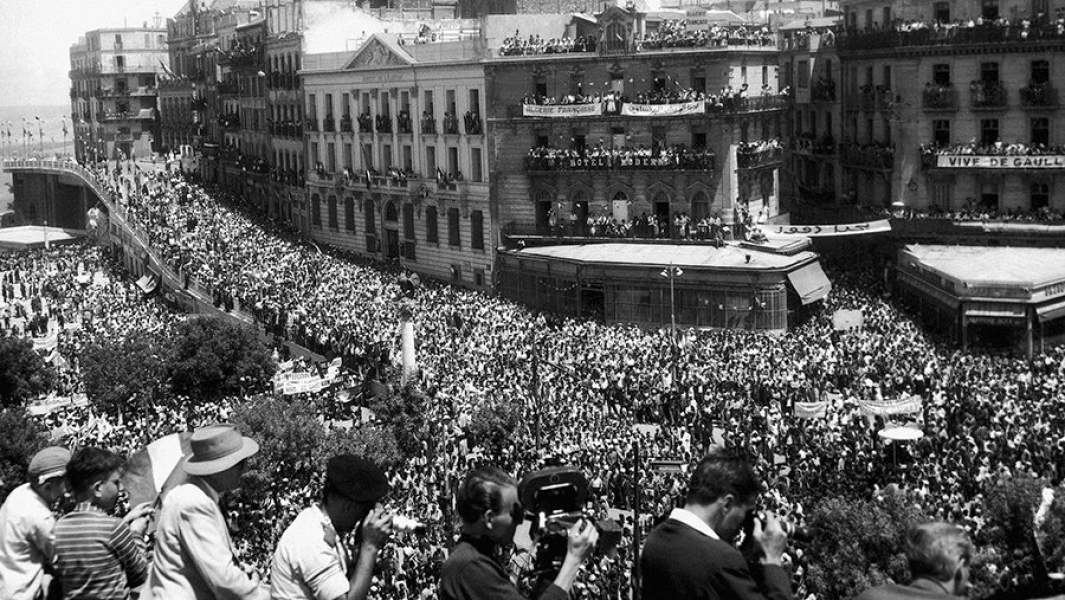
(700, 206)
(616, 36)
(390, 212)
(316, 210)
(621, 197)
(432, 234)
(333, 213)
(349, 213)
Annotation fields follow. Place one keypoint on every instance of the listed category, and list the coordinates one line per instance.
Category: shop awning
(1049, 312)
(810, 282)
(994, 313)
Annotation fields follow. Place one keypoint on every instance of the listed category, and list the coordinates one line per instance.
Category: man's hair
(935, 549)
(481, 491)
(89, 465)
(723, 472)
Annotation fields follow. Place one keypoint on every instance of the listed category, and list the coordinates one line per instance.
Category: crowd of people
(611, 389)
(727, 99)
(677, 34)
(977, 30)
(992, 149)
(516, 45)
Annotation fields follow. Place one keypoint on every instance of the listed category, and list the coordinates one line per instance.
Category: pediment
(378, 52)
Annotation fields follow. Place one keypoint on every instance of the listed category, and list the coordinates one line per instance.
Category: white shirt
(310, 562)
(26, 543)
(689, 518)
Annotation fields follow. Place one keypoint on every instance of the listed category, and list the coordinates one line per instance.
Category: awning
(810, 282)
(994, 313)
(148, 283)
(1049, 312)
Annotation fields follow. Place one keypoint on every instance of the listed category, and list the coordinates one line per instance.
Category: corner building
(396, 161)
(954, 105)
(533, 194)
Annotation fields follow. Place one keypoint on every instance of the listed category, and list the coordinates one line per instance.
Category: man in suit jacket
(691, 555)
(193, 552)
(939, 555)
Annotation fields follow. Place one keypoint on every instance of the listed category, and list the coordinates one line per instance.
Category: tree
(213, 358)
(125, 374)
(856, 545)
(1009, 508)
(23, 437)
(492, 424)
(403, 413)
(23, 373)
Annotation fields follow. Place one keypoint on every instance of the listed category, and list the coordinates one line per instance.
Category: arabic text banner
(562, 110)
(830, 230)
(663, 110)
(900, 406)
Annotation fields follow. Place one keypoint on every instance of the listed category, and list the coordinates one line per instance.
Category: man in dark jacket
(692, 554)
(487, 501)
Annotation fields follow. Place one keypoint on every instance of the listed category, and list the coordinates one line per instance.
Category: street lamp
(672, 272)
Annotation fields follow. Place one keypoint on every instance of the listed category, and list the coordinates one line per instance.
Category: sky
(36, 35)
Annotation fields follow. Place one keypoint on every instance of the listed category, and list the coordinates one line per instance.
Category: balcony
(1039, 97)
(823, 90)
(403, 123)
(451, 124)
(988, 95)
(383, 124)
(146, 113)
(809, 143)
(940, 98)
(758, 158)
(365, 123)
(987, 34)
(549, 160)
(123, 137)
(1016, 157)
(869, 157)
(345, 124)
(310, 124)
(229, 121)
(228, 88)
(474, 124)
(329, 124)
(429, 125)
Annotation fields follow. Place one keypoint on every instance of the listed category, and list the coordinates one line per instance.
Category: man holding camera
(692, 554)
(311, 561)
(487, 501)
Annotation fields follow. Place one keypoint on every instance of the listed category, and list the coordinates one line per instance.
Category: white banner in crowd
(47, 406)
(663, 110)
(899, 406)
(969, 161)
(829, 230)
(562, 110)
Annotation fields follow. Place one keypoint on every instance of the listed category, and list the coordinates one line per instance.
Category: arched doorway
(391, 230)
(542, 199)
(662, 218)
(579, 214)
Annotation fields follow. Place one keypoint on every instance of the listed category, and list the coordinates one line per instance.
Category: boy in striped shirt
(96, 555)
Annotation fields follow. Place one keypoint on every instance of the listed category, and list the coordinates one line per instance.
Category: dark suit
(680, 562)
(919, 589)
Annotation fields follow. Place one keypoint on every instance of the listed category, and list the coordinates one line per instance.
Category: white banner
(970, 161)
(562, 110)
(900, 406)
(663, 110)
(51, 404)
(829, 230)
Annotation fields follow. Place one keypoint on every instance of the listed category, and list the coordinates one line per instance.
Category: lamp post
(671, 273)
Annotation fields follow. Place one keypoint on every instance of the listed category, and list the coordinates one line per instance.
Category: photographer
(487, 501)
(692, 554)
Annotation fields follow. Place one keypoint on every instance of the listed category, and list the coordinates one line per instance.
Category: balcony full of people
(677, 34)
(929, 152)
(760, 153)
(602, 158)
(907, 33)
(727, 100)
(874, 155)
(516, 45)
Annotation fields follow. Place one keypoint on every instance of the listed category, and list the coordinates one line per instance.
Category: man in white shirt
(27, 542)
(311, 561)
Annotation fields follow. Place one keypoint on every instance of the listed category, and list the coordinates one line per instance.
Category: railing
(823, 91)
(988, 96)
(474, 126)
(620, 163)
(867, 157)
(810, 143)
(345, 124)
(758, 158)
(328, 124)
(403, 124)
(958, 35)
(310, 124)
(451, 125)
(365, 123)
(383, 124)
(943, 97)
(429, 125)
(1039, 96)
(123, 137)
(229, 88)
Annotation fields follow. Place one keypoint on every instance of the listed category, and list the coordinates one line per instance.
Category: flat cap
(48, 463)
(356, 478)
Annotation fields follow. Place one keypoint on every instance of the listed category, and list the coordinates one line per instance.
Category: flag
(153, 469)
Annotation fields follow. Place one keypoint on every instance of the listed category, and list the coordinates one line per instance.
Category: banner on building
(899, 406)
(829, 230)
(969, 161)
(811, 410)
(556, 111)
(696, 107)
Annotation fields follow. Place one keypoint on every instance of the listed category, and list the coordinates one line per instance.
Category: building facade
(284, 54)
(625, 132)
(953, 105)
(114, 74)
(396, 156)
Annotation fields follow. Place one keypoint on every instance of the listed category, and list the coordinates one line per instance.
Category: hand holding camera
(581, 539)
(376, 528)
(769, 534)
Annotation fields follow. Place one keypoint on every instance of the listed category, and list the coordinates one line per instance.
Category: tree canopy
(23, 373)
(213, 358)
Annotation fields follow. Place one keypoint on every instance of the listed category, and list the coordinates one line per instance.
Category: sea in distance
(51, 123)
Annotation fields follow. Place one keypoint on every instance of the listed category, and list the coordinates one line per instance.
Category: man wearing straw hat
(193, 552)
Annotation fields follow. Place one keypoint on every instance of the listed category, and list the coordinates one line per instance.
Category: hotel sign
(971, 161)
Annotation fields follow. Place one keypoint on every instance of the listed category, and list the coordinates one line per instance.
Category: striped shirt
(97, 556)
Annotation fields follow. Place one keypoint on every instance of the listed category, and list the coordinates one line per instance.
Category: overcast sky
(35, 39)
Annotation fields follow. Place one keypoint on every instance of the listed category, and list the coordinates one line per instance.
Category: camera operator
(487, 501)
(692, 554)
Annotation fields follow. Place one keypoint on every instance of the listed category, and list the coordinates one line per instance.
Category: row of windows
(989, 10)
(990, 73)
(989, 195)
(385, 160)
(363, 104)
(660, 79)
(619, 137)
(431, 218)
(1038, 131)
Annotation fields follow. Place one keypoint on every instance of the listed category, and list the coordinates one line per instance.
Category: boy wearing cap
(311, 561)
(193, 556)
(27, 523)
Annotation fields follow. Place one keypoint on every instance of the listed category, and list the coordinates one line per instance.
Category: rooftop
(1031, 267)
(33, 236)
(731, 256)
